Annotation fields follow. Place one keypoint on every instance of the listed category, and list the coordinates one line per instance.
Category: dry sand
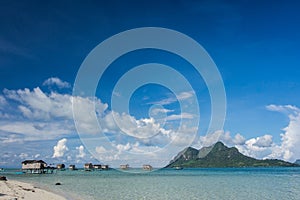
(15, 190)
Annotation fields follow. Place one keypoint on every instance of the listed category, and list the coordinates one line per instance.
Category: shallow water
(229, 183)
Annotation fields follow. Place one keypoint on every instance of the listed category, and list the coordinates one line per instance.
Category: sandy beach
(13, 190)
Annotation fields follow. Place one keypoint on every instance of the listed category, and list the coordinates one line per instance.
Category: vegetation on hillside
(220, 155)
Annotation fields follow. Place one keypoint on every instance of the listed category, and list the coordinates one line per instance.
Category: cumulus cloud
(265, 147)
(220, 135)
(60, 149)
(262, 147)
(38, 105)
(238, 139)
(48, 114)
(140, 128)
(133, 153)
(182, 137)
(157, 150)
(81, 152)
(264, 141)
(106, 155)
(259, 147)
(38, 115)
(289, 148)
(56, 81)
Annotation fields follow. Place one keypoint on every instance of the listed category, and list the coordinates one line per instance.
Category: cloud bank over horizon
(44, 117)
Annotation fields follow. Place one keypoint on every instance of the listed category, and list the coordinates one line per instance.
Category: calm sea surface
(246, 183)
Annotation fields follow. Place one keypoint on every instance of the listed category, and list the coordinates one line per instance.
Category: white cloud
(37, 113)
(121, 147)
(56, 81)
(183, 137)
(23, 156)
(106, 155)
(283, 108)
(179, 117)
(38, 105)
(185, 95)
(259, 147)
(32, 131)
(180, 97)
(288, 149)
(2, 101)
(49, 116)
(69, 158)
(264, 141)
(60, 149)
(290, 139)
(220, 135)
(101, 150)
(86, 110)
(37, 155)
(7, 138)
(133, 153)
(117, 94)
(81, 153)
(141, 128)
(239, 139)
(156, 111)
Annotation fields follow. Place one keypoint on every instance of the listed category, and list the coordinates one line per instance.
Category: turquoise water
(245, 183)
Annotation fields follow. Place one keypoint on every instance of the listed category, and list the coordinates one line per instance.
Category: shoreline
(12, 189)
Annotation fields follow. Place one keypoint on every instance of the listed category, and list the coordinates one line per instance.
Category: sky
(43, 46)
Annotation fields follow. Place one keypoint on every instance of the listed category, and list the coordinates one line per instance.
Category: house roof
(33, 161)
(88, 164)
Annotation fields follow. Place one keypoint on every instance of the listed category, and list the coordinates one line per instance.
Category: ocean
(220, 183)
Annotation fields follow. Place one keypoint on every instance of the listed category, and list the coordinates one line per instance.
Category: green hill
(220, 155)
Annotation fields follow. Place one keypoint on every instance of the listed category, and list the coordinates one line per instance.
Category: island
(219, 156)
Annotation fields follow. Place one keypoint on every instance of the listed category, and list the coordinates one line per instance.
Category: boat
(178, 168)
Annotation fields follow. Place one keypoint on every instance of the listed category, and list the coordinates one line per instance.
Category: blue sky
(255, 45)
